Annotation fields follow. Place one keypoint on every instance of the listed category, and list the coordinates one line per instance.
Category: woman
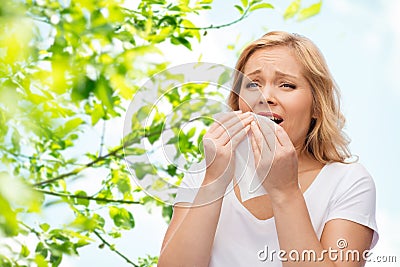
(319, 210)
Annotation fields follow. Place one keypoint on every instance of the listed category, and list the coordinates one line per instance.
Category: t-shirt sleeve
(355, 200)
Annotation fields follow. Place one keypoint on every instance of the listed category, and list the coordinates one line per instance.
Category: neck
(306, 161)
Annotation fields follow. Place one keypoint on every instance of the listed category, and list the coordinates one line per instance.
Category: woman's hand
(275, 157)
(219, 144)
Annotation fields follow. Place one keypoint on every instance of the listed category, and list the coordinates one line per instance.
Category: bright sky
(360, 40)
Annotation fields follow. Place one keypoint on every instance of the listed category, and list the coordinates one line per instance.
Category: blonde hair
(325, 140)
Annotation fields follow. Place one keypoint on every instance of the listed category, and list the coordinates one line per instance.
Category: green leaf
(141, 169)
(71, 125)
(82, 88)
(244, 3)
(188, 24)
(167, 21)
(253, 2)
(173, 140)
(134, 151)
(143, 112)
(13, 192)
(81, 201)
(44, 226)
(15, 139)
(115, 234)
(104, 92)
(310, 11)
(55, 259)
(155, 132)
(122, 181)
(40, 248)
(292, 9)
(200, 138)
(24, 251)
(171, 169)
(97, 113)
(40, 261)
(167, 213)
(181, 40)
(259, 6)
(241, 11)
(223, 78)
(122, 218)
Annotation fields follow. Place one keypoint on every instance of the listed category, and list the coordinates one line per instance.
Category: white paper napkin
(245, 172)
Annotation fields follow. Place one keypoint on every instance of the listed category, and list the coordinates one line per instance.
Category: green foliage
(303, 13)
(292, 9)
(67, 68)
(310, 11)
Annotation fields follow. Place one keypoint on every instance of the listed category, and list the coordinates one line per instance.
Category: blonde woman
(319, 210)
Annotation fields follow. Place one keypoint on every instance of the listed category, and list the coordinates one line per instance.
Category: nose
(266, 96)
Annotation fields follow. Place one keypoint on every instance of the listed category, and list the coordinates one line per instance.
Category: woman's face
(277, 87)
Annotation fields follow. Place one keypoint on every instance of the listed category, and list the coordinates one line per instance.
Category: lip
(271, 114)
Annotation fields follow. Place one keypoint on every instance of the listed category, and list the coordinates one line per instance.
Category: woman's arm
(190, 236)
(295, 231)
(191, 232)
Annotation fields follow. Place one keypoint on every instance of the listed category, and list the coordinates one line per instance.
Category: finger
(232, 129)
(283, 137)
(220, 118)
(259, 137)
(267, 128)
(253, 137)
(254, 146)
(237, 138)
(224, 125)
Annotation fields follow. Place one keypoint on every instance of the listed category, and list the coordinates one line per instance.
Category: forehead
(278, 58)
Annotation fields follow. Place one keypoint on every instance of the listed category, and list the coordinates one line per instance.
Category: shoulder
(354, 168)
(350, 179)
(348, 173)
(353, 195)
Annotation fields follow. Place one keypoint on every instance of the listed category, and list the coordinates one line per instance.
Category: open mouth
(272, 116)
(277, 121)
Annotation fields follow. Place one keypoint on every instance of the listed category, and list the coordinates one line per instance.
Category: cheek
(247, 101)
(301, 106)
(300, 113)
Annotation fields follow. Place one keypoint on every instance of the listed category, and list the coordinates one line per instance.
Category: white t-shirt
(344, 191)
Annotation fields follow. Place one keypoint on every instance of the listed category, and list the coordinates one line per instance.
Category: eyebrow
(277, 73)
(258, 71)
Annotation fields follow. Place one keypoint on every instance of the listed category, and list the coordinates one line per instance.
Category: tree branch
(245, 14)
(112, 153)
(112, 248)
(78, 170)
(18, 156)
(122, 201)
(103, 132)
